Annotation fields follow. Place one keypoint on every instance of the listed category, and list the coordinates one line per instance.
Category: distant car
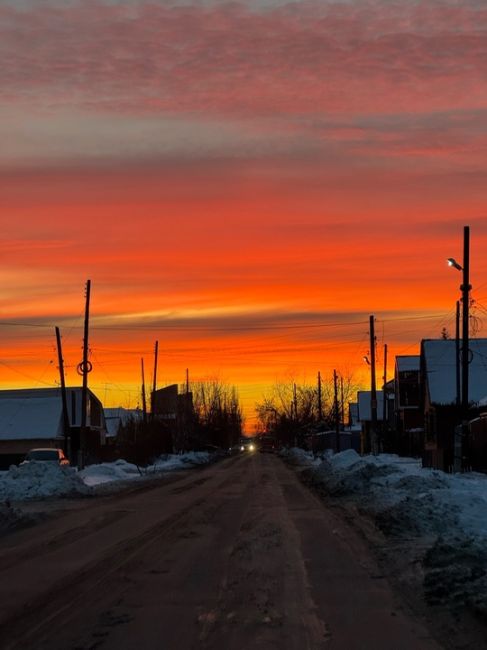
(46, 454)
(247, 445)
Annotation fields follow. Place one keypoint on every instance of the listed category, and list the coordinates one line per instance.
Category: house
(118, 417)
(439, 398)
(409, 417)
(34, 418)
(365, 416)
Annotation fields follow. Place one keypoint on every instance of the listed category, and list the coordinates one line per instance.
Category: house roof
(440, 370)
(364, 406)
(114, 417)
(408, 363)
(36, 413)
(38, 418)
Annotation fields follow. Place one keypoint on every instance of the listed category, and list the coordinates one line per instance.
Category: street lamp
(465, 289)
(452, 262)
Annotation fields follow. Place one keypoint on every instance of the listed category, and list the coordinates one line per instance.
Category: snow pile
(40, 480)
(37, 480)
(180, 461)
(121, 470)
(440, 518)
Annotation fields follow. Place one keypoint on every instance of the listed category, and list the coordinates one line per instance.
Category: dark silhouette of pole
(320, 404)
(465, 341)
(337, 412)
(342, 401)
(144, 404)
(63, 393)
(295, 402)
(85, 369)
(187, 381)
(457, 434)
(457, 355)
(373, 390)
(384, 400)
(154, 379)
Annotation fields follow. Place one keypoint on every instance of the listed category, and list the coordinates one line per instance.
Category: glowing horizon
(244, 182)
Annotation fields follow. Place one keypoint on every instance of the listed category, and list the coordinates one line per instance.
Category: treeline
(292, 410)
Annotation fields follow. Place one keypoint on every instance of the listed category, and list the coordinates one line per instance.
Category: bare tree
(290, 409)
(218, 412)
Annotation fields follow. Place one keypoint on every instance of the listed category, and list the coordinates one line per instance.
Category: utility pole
(384, 396)
(465, 288)
(320, 405)
(84, 368)
(144, 405)
(337, 413)
(154, 383)
(342, 400)
(457, 432)
(187, 381)
(457, 354)
(373, 390)
(63, 394)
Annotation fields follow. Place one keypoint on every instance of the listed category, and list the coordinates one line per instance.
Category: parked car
(46, 454)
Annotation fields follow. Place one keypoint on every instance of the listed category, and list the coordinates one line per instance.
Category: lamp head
(366, 359)
(452, 262)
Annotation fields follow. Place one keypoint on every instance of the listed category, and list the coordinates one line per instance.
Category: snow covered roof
(36, 413)
(30, 419)
(114, 417)
(440, 369)
(364, 406)
(407, 363)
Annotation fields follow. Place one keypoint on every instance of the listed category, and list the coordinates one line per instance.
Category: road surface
(236, 556)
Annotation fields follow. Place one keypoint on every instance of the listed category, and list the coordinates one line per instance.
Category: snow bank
(38, 480)
(441, 517)
(180, 461)
(121, 470)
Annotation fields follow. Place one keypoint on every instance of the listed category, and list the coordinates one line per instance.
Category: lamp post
(465, 289)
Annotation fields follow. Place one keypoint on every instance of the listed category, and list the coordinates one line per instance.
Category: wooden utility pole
(84, 368)
(63, 394)
(342, 401)
(154, 382)
(295, 401)
(457, 432)
(320, 405)
(373, 390)
(465, 343)
(144, 404)
(337, 413)
(384, 395)
(457, 354)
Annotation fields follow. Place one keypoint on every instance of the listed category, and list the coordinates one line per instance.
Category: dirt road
(237, 556)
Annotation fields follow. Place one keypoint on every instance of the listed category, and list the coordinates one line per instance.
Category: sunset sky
(244, 182)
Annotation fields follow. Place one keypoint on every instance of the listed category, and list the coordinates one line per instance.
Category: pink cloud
(228, 59)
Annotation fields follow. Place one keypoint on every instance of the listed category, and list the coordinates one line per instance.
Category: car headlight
(242, 448)
(251, 447)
